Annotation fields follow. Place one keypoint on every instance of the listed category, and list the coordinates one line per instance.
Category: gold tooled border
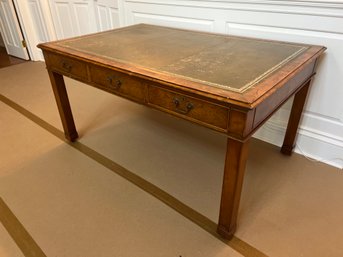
(208, 83)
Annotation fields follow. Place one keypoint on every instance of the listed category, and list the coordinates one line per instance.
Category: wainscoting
(321, 133)
(314, 22)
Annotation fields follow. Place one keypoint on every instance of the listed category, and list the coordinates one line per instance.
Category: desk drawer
(118, 83)
(188, 107)
(69, 67)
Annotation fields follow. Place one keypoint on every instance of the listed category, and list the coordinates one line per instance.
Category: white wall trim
(325, 32)
(314, 144)
(334, 4)
(309, 3)
(283, 7)
(192, 23)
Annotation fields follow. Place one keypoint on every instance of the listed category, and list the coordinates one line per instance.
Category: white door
(10, 30)
(73, 17)
(106, 14)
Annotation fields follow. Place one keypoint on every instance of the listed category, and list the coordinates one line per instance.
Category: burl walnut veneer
(226, 83)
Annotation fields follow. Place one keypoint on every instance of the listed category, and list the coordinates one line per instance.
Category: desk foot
(287, 150)
(224, 233)
(71, 137)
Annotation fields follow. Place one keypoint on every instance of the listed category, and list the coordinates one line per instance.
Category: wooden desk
(229, 84)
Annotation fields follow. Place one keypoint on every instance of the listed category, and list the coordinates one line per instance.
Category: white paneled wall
(79, 17)
(73, 17)
(314, 22)
(107, 14)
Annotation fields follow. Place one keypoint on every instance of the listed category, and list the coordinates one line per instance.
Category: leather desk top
(226, 67)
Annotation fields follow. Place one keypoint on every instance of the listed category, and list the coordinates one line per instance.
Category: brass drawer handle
(66, 66)
(187, 107)
(115, 83)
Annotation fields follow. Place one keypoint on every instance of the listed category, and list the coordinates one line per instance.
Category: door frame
(35, 28)
(17, 51)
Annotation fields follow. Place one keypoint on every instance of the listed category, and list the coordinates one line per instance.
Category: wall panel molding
(106, 14)
(173, 21)
(316, 8)
(304, 21)
(313, 22)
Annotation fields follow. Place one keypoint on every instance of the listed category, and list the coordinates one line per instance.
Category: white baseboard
(314, 144)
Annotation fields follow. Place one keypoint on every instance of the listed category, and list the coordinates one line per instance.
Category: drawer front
(189, 107)
(68, 66)
(118, 83)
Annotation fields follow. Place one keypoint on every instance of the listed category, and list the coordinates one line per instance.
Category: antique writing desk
(229, 84)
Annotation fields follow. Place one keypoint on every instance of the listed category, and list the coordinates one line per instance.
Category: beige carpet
(72, 205)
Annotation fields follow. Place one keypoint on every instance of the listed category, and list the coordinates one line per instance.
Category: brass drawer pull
(187, 107)
(115, 83)
(66, 66)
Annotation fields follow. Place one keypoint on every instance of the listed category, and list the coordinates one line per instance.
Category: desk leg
(63, 105)
(236, 156)
(294, 119)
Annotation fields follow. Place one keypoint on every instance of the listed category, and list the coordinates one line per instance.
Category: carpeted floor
(97, 197)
